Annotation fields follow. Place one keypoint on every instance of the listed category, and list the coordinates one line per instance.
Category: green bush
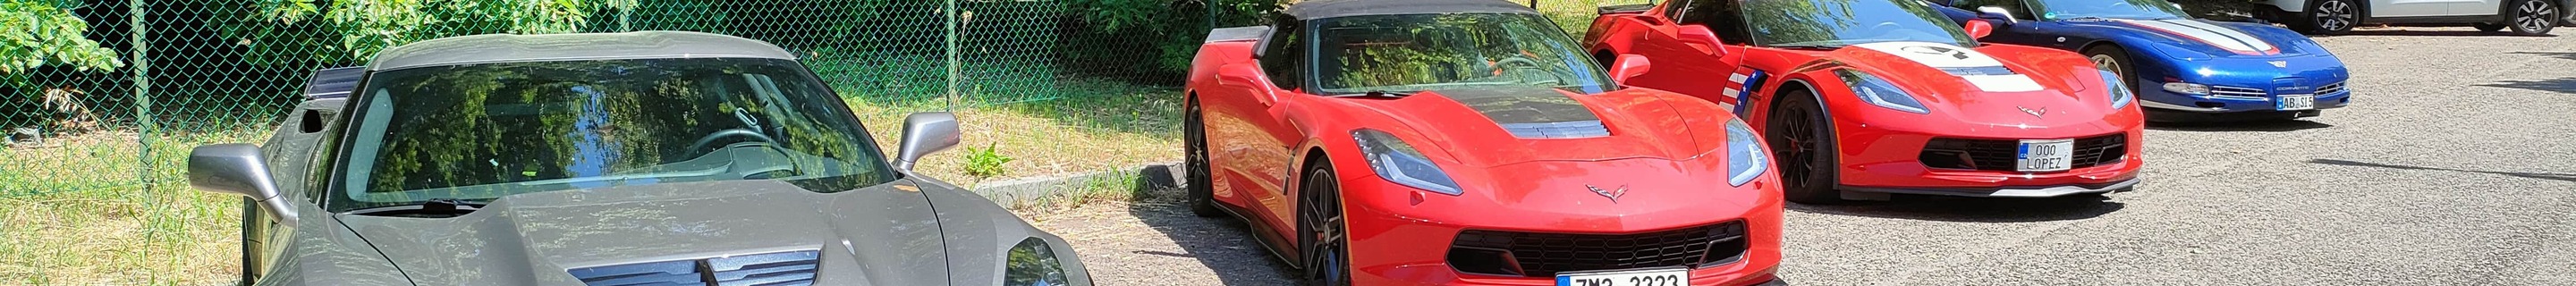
(1170, 30)
(985, 162)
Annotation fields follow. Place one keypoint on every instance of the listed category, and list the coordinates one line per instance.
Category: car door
(1248, 142)
(2409, 8)
(1685, 60)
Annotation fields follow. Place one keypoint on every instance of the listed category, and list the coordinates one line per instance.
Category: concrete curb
(1023, 191)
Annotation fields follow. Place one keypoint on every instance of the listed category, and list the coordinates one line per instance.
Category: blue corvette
(2183, 69)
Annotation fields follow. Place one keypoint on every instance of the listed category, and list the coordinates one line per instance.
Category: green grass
(86, 216)
(1102, 125)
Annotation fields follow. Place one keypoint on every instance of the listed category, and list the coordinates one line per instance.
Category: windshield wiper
(1377, 93)
(429, 206)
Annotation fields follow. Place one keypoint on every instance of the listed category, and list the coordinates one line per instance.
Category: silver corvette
(645, 158)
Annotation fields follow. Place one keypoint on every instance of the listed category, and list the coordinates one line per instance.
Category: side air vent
(1554, 130)
(769, 269)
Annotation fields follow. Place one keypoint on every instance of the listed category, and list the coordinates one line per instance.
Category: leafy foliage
(345, 30)
(43, 33)
(985, 162)
(1171, 30)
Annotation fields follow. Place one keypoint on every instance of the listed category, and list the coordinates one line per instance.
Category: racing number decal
(1740, 87)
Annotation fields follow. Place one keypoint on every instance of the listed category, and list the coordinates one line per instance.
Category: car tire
(249, 217)
(2114, 59)
(1201, 187)
(1801, 141)
(2534, 17)
(2327, 17)
(1323, 235)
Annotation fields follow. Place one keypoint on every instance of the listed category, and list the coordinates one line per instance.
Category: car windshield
(1414, 52)
(2107, 9)
(1837, 23)
(482, 131)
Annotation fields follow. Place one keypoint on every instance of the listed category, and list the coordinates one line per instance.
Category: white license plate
(2297, 102)
(1633, 277)
(2046, 155)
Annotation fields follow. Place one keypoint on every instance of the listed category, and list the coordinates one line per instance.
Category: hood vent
(1566, 129)
(782, 268)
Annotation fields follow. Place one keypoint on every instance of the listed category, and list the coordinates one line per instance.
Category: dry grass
(1121, 127)
(81, 216)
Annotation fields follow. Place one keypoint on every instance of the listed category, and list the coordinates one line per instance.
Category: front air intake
(779, 268)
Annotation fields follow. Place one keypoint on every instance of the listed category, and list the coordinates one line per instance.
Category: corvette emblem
(2042, 112)
(2280, 64)
(1954, 53)
(1612, 194)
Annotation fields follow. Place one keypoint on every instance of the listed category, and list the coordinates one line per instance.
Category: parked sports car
(646, 158)
(2526, 17)
(1901, 101)
(1469, 142)
(2183, 69)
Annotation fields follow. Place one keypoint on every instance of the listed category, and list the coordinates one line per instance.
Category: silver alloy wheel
(2536, 15)
(2335, 15)
(2105, 62)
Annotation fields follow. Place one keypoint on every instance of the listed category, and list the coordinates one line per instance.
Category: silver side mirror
(925, 133)
(238, 169)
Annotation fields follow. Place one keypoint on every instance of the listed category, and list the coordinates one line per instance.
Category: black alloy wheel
(1323, 238)
(1802, 145)
(1202, 192)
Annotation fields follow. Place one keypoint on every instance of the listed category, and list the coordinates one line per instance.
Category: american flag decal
(1745, 82)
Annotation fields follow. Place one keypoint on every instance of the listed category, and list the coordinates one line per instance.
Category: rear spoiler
(1626, 9)
(333, 82)
(1244, 33)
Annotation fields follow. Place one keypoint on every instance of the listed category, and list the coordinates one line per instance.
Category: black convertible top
(1319, 9)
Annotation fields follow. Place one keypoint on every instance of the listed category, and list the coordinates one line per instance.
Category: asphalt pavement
(2455, 165)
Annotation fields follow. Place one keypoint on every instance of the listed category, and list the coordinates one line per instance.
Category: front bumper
(2160, 100)
(1886, 156)
(1404, 236)
(2008, 192)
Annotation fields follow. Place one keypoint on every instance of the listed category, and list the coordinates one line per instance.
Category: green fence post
(955, 73)
(142, 92)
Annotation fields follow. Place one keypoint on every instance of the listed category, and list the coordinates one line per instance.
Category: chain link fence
(101, 100)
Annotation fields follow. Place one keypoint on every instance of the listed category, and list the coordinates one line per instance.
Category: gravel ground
(2455, 166)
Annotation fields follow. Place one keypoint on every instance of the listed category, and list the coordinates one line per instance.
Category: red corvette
(1898, 101)
(1469, 142)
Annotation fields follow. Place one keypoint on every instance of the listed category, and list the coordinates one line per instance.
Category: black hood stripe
(1531, 112)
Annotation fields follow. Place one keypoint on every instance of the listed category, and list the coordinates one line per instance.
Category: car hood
(2195, 39)
(1995, 85)
(868, 236)
(1486, 127)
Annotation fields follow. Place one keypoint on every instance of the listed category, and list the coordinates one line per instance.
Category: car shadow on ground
(2543, 176)
(1966, 209)
(1223, 244)
(2559, 85)
(2242, 126)
(2561, 55)
(2404, 31)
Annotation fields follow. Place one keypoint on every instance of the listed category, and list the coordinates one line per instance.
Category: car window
(1829, 24)
(1415, 52)
(481, 131)
(2105, 9)
(1279, 54)
(1724, 17)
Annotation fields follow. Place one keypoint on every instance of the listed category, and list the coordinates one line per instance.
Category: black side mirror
(238, 169)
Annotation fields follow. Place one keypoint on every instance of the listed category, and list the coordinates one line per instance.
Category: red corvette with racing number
(1469, 142)
(1898, 101)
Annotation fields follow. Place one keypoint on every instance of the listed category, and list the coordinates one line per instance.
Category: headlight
(2120, 94)
(1879, 92)
(1400, 163)
(2187, 88)
(1032, 263)
(1745, 159)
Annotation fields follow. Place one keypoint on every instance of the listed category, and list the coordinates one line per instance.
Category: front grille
(2000, 155)
(2330, 88)
(1535, 254)
(782, 268)
(2237, 91)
